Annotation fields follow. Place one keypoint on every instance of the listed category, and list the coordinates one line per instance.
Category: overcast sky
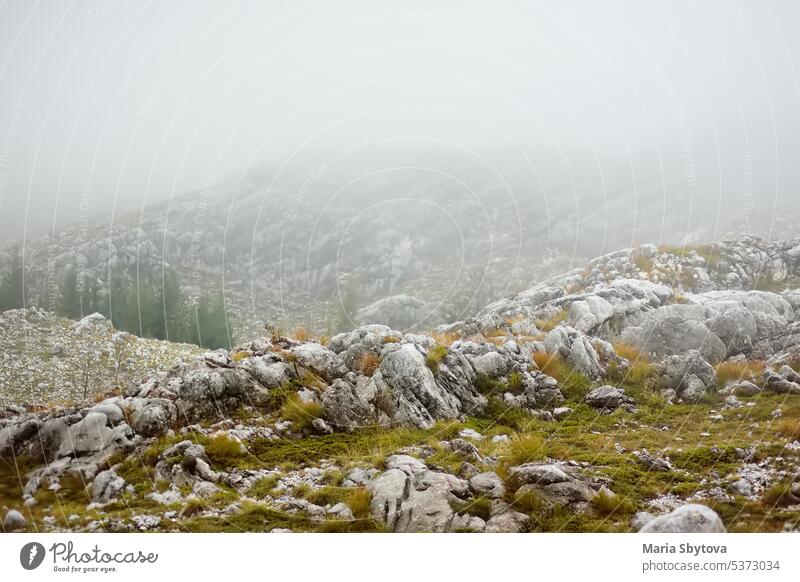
(112, 103)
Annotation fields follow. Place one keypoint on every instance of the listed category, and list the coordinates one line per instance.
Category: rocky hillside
(654, 389)
(292, 260)
(47, 360)
(410, 248)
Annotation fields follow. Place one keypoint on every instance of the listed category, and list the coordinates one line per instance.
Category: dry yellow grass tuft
(511, 320)
(368, 363)
(524, 449)
(546, 325)
(789, 427)
(496, 333)
(301, 335)
(629, 352)
(445, 339)
(550, 364)
(729, 371)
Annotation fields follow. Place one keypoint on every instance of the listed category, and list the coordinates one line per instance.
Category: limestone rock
(690, 518)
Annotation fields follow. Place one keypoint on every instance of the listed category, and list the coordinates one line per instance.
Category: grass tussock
(628, 351)
(789, 427)
(222, 450)
(435, 356)
(300, 412)
(358, 500)
(368, 363)
(573, 385)
(479, 507)
(264, 487)
(608, 504)
(445, 339)
(780, 495)
(507, 417)
(300, 334)
(497, 333)
(738, 371)
(515, 384)
(529, 502)
(643, 263)
(524, 449)
(545, 325)
(279, 395)
(194, 506)
(327, 495)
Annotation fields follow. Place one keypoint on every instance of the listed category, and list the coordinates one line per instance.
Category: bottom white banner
(354, 557)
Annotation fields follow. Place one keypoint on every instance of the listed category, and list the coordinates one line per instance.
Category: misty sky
(114, 104)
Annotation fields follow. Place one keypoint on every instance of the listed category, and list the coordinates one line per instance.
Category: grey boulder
(690, 518)
(14, 520)
(320, 360)
(608, 398)
(107, 487)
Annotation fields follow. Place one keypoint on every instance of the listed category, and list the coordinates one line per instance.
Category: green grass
(515, 383)
(299, 412)
(253, 517)
(327, 495)
(224, 451)
(609, 505)
(584, 436)
(573, 385)
(278, 396)
(479, 507)
(435, 356)
(780, 495)
(264, 487)
(486, 385)
(704, 458)
(523, 449)
(359, 499)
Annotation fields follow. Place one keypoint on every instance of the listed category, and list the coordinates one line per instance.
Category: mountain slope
(612, 398)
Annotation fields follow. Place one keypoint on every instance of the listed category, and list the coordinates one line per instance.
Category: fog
(108, 106)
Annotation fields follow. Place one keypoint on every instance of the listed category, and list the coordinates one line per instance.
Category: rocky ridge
(595, 401)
